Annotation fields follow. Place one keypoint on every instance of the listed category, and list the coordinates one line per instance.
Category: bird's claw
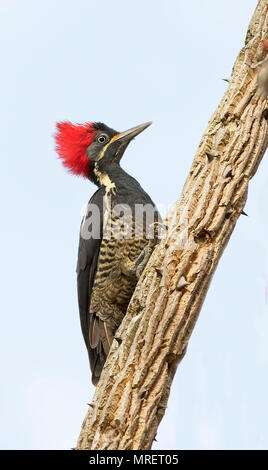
(143, 258)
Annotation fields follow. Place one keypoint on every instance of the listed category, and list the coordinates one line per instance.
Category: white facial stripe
(103, 150)
(106, 181)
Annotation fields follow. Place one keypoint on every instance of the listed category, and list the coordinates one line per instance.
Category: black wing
(88, 253)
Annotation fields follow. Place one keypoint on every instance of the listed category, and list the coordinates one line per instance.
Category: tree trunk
(131, 397)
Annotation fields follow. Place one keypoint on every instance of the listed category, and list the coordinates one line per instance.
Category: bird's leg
(135, 269)
(143, 258)
(127, 267)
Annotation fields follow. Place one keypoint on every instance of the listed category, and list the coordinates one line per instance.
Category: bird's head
(82, 147)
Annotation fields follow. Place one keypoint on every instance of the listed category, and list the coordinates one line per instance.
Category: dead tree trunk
(132, 394)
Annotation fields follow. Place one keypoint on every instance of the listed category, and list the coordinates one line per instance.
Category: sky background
(122, 63)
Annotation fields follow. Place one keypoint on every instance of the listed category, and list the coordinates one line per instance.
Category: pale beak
(124, 138)
(131, 133)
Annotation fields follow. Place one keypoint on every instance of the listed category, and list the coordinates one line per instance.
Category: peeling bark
(131, 397)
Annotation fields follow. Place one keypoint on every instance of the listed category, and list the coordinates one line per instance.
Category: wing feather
(87, 262)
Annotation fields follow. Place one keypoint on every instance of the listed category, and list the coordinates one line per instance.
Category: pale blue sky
(122, 63)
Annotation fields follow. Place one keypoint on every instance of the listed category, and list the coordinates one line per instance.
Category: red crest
(72, 141)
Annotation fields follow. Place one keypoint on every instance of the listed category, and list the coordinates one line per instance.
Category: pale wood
(132, 394)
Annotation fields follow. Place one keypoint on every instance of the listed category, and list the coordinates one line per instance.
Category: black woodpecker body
(115, 229)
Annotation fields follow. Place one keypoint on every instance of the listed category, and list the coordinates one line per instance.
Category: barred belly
(113, 284)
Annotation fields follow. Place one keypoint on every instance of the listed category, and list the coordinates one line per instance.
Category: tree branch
(132, 395)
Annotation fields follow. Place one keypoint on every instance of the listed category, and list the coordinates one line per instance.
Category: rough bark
(132, 394)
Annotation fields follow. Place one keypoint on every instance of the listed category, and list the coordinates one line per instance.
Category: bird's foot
(143, 259)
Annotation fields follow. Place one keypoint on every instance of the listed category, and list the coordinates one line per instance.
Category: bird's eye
(102, 138)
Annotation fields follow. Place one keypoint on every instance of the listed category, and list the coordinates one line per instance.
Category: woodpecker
(114, 235)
